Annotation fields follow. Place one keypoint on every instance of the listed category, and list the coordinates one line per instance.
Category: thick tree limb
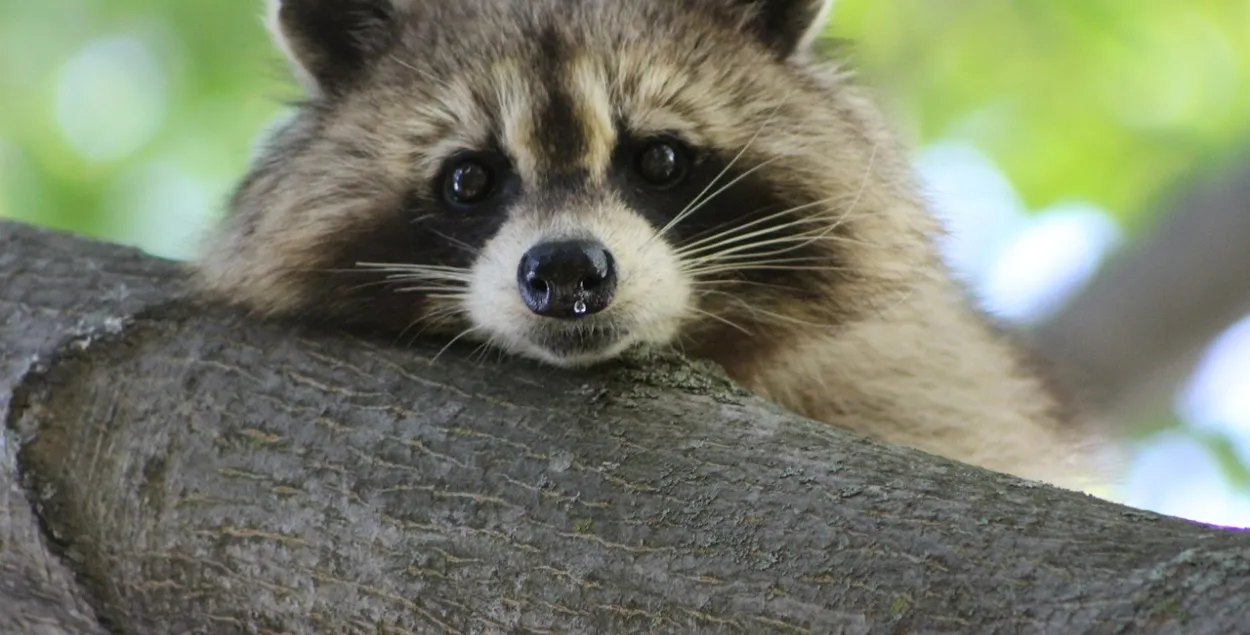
(194, 472)
(1135, 333)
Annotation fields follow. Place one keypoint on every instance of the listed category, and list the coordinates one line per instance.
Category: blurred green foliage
(217, 82)
(1107, 101)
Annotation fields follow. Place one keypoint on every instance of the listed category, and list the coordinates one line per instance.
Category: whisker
(722, 320)
(740, 259)
(695, 203)
(401, 267)
(863, 183)
(419, 71)
(723, 246)
(455, 339)
(482, 351)
(679, 344)
(702, 284)
(446, 296)
(730, 227)
(779, 318)
(698, 245)
(771, 316)
(430, 290)
(446, 283)
(735, 250)
(737, 253)
(325, 270)
(818, 218)
(717, 178)
(435, 317)
(449, 279)
(404, 332)
(763, 266)
(455, 241)
(374, 283)
(396, 272)
(796, 241)
(690, 210)
(433, 276)
(451, 284)
(430, 318)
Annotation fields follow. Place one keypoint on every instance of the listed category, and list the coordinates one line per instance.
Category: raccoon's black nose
(567, 279)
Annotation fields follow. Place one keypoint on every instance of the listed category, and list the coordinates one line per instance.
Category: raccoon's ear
(788, 27)
(328, 42)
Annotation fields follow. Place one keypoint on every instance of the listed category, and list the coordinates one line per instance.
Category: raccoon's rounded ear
(788, 27)
(328, 42)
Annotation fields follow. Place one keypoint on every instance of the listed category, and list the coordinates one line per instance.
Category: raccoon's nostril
(567, 279)
(538, 285)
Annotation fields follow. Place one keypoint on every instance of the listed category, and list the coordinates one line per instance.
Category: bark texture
(168, 469)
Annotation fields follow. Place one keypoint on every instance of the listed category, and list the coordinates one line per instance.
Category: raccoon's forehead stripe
(556, 117)
(589, 84)
(516, 101)
(558, 138)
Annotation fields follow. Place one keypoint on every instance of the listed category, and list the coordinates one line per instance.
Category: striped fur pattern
(797, 251)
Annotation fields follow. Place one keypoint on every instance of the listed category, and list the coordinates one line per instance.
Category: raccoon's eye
(663, 162)
(468, 181)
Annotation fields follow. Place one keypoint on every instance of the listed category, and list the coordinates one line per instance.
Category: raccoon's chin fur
(575, 343)
(575, 346)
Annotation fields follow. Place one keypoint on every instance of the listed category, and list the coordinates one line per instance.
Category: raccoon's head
(560, 178)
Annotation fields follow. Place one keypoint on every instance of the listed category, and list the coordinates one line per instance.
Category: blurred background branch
(1136, 332)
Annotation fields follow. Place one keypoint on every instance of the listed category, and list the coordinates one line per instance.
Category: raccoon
(567, 179)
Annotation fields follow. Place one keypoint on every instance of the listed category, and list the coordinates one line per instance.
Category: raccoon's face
(560, 179)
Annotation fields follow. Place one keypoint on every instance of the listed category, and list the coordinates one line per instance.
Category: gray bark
(170, 469)
(1134, 334)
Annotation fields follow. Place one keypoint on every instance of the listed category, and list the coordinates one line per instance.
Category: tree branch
(195, 472)
(1137, 330)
